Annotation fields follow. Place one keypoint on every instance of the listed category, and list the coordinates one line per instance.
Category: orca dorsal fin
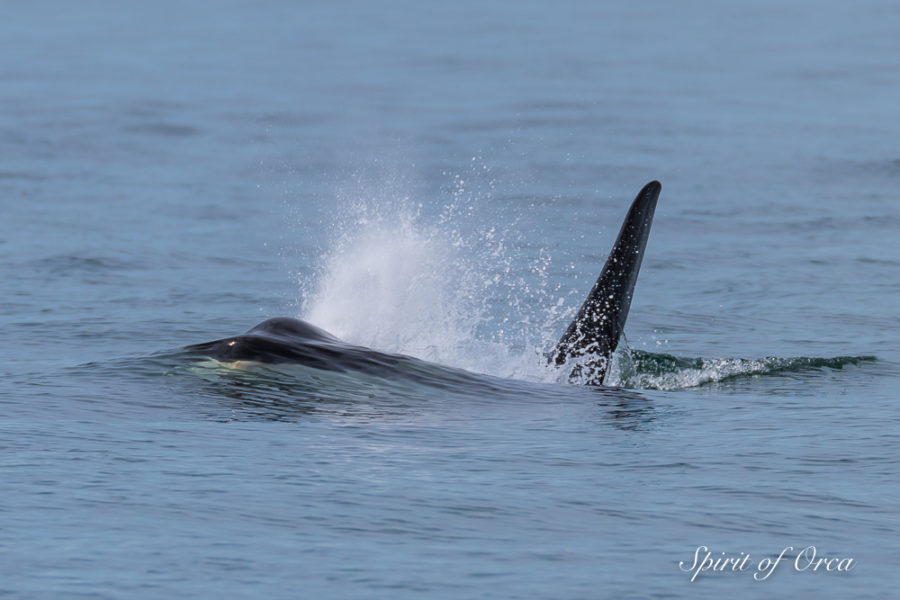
(593, 336)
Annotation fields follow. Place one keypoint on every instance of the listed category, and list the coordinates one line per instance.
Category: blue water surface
(445, 181)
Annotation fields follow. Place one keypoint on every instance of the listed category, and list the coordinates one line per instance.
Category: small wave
(657, 371)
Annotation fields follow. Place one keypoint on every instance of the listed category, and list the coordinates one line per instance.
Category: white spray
(393, 282)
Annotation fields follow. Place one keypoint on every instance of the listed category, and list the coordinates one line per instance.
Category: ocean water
(445, 181)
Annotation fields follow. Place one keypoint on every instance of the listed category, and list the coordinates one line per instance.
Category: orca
(586, 346)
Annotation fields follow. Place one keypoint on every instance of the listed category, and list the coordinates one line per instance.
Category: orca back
(288, 328)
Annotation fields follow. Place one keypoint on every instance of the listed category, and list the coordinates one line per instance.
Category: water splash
(450, 291)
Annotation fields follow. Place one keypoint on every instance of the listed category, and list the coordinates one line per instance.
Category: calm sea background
(444, 180)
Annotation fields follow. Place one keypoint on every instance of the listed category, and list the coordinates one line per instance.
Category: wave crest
(658, 371)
